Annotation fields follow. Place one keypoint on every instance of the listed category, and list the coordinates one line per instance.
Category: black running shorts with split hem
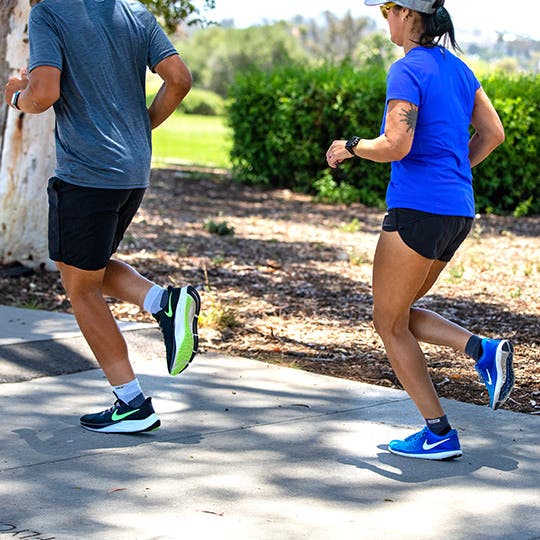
(86, 225)
(434, 236)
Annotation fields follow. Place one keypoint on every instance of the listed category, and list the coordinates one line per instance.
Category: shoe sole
(129, 426)
(439, 456)
(185, 331)
(504, 358)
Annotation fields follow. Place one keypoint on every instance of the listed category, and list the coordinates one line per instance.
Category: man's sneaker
(496, 370)
(178, 323)
(121, 418)
(427, 445)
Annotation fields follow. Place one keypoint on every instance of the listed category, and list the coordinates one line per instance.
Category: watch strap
(351, 143)
(15, 100)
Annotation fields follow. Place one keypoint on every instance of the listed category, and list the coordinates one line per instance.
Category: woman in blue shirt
(432, 100)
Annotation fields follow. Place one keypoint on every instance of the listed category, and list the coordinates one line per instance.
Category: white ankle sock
(152, 301)
(129, 391)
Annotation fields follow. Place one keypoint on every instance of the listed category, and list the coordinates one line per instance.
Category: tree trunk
(26, 153)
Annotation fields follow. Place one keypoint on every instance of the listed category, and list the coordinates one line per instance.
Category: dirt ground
(290, 283)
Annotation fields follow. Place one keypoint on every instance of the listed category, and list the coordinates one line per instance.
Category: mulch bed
(290, 282)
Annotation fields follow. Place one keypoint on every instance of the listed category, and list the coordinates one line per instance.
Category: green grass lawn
(194, 140)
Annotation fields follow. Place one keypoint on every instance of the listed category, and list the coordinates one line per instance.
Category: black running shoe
(178, 323)
(121, 418)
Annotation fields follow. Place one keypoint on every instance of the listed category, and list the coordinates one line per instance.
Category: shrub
(221, 229)
(198, 101)
(283, 122)
(509, 180)
(204, 102)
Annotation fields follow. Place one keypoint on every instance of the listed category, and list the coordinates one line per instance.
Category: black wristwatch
(351, 143)
(15, 100)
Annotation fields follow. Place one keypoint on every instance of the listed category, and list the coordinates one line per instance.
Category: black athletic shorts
(434, 236)
(86, 225)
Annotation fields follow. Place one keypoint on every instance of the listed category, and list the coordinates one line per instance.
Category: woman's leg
(429, 327)
(399, 274)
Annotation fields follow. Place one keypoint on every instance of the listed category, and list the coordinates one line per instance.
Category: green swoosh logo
(115, 416)
(169, 311)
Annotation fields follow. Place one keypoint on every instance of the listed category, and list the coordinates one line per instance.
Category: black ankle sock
(137, 401)
(439, 426)
(474, 348)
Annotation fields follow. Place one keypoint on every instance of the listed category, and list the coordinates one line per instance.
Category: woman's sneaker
(178, 323)
(427, 445)
(495, 367)
(121, 418)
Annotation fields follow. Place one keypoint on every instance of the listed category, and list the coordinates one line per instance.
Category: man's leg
(123, 282)
(96, 322)
(175, 309)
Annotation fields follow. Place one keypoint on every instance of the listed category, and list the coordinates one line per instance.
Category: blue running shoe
(427, 445)
(496, 370)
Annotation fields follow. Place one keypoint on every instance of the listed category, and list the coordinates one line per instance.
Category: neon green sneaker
(178, 323)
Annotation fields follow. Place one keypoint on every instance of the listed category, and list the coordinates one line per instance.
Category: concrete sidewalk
(247, 450)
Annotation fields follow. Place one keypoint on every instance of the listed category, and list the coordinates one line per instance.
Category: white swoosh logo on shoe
(489, 381)
(427, 446)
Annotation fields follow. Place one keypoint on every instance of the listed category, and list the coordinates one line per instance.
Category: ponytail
(438, 27)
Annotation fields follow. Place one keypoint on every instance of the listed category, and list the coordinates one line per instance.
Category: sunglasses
(385, 8)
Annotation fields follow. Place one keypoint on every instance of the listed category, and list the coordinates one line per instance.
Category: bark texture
(26, 153)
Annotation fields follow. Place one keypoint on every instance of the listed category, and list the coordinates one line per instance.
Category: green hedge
(509, 180)
(205, 102)
(198, 101)
(284, 121)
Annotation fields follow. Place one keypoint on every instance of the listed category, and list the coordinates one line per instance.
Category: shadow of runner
(417, 471)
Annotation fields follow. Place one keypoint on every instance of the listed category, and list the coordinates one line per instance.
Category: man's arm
(176, 85)
(39, 91)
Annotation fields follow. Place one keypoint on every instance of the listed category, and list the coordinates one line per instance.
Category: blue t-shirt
(102, 47)
(436, 175)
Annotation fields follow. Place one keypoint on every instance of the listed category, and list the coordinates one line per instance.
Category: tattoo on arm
(410, 118)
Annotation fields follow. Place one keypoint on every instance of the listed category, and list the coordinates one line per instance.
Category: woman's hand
(337, 154)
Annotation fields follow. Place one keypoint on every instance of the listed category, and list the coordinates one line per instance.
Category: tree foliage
(334, 39)
(216, 55)
(174, 12)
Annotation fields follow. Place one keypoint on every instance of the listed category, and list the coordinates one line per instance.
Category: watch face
(351, 143)
(15, 99)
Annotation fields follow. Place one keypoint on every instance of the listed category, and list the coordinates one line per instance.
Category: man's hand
(39, 90)
(15, 84)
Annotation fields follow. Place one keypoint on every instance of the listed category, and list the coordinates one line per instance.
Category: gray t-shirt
(102, 47)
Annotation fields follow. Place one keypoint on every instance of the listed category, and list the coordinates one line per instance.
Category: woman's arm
(489, 129)
(393, 145)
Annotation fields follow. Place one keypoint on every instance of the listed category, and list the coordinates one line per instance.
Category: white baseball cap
(423, 6)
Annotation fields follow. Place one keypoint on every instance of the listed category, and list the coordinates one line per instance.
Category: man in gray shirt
(88, 59)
